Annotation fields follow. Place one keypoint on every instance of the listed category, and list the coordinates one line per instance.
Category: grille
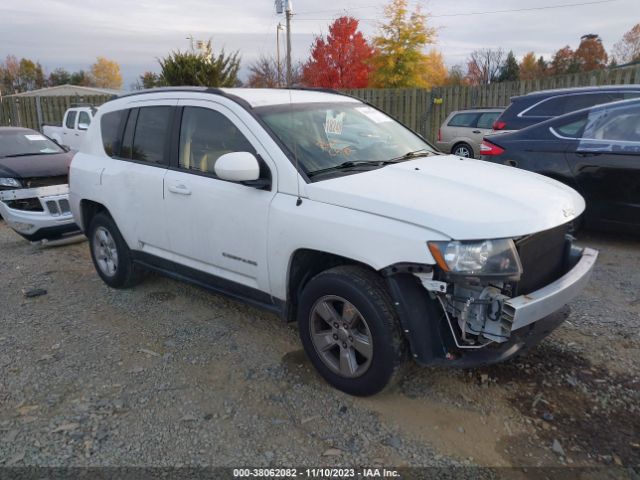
(58, 207)
(45, 181)
(542, 258)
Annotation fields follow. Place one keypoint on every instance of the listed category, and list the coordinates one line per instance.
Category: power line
(489, 12)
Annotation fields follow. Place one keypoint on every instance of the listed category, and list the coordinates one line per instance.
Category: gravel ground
(167, 374)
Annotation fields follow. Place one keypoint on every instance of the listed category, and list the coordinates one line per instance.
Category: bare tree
(266, 73)
(484, 65)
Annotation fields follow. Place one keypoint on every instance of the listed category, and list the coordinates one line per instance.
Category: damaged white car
(34, 190)
(328, 212)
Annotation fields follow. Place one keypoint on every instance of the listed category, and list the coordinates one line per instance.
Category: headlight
(487, 257)
(10, 182)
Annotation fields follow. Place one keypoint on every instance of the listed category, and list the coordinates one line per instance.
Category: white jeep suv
(326, 211)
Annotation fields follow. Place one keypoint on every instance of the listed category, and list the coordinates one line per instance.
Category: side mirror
(83, 126)
(237, 167)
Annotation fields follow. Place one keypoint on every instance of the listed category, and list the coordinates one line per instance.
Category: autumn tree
(591, 54)
(341, 60)
(484, 65)
(10, 75)
(202, 68)
(106, 73)
(510, 71)
(399, 60)
(564, 62)
(628, 48)
(528, 67)
(435, 70)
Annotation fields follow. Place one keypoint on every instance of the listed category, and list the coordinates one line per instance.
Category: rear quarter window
(463, 120)
(110, 125)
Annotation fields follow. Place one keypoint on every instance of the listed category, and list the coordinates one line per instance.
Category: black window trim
(174, 157)
(121, 129)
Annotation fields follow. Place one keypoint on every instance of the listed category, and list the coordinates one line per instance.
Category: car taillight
(498, 125)
(488, 148)
(439, 135)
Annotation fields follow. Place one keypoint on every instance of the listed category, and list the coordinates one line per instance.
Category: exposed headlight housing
(498, 258)
(10, 182)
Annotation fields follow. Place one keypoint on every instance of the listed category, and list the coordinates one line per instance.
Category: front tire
(350, 331)
(110, 253)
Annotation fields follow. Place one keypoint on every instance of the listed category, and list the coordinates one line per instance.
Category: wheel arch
(88, 210)
(306, 263)
(463, 142)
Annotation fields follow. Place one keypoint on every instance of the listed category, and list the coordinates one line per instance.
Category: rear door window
(151, 134)
(578, 102)
(71, 119)
(463, 120)
(486, 119)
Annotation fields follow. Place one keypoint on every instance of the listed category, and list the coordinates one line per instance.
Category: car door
(217, 227)
(68, 127)
(140, 155)
(606, 164)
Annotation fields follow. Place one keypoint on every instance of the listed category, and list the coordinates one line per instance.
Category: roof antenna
(295, 149)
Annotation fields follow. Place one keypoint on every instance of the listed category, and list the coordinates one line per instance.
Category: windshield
(326, 135)
(15, 143)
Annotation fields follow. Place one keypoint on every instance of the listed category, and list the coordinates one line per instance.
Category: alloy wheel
(341, 336)
(105, 251)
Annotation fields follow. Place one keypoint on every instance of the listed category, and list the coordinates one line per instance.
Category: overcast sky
(71, 33)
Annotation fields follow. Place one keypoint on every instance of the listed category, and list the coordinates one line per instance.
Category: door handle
(179, 189)
(476, 131)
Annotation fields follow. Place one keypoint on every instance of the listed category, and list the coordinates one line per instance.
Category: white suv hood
(462, 198)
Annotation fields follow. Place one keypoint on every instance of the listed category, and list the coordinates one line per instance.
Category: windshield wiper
(351, 164)
(423, 152)
(28, 154)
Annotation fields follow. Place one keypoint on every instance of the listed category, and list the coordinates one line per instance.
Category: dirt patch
(589, 413)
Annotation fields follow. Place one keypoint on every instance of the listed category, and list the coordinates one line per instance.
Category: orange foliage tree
(591, 54)
(340, 61)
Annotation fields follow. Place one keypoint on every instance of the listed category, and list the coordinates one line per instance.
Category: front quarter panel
(370, 239)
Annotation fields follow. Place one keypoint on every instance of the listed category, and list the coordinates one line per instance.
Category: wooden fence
(32, 112)
(424, 111)
(421, 110)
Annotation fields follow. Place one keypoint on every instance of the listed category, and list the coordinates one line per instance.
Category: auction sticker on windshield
(333, 123)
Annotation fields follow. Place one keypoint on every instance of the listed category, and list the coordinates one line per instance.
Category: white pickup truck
(75, 124)
(326, 211)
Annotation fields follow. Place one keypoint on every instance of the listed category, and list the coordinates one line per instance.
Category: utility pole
(288, 13)
(278, 65)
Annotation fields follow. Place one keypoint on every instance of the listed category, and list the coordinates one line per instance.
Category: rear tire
(463, 150)
(110, 253)
(350, 330)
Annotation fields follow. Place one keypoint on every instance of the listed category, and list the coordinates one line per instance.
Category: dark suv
(539, 106)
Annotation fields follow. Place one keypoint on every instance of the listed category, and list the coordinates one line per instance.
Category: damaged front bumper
(53, 220)
(436, 340)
